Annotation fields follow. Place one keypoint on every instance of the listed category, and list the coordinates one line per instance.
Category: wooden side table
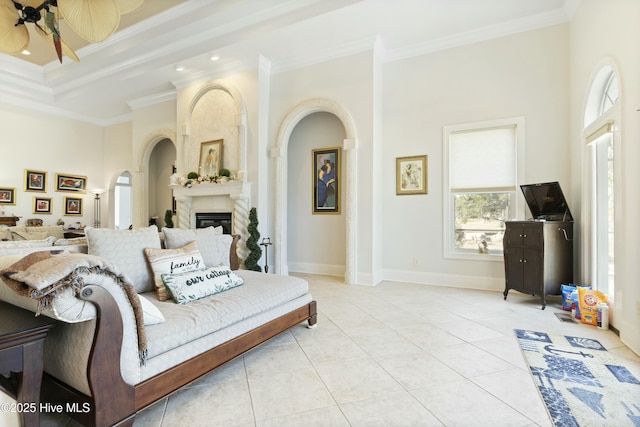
(21, 348)
(11, 221)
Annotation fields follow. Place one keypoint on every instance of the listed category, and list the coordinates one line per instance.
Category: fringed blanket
(43, 275)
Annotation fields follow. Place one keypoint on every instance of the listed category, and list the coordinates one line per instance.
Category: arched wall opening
(349, 156)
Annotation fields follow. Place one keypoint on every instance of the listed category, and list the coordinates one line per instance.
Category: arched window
(123, 202)
(601, 119)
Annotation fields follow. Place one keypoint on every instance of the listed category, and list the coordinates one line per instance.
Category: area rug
(581, 383)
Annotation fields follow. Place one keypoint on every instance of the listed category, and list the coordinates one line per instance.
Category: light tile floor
(396, 354)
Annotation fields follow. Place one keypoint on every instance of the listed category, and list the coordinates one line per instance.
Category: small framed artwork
(326, 180)
(210, 158)
(35, 180)
(42, 205)
(71, 183)
(411, 175)
(7, 196)
(73, 206)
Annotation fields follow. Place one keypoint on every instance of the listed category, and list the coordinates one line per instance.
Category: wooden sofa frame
(114, 402)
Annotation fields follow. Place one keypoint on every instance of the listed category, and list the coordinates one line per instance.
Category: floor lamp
(96, 207)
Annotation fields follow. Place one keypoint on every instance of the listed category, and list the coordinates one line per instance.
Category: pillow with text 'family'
(172, 261)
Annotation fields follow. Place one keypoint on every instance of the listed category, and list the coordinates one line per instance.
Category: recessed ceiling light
(179, 67)
(215, 57)
(25, 52)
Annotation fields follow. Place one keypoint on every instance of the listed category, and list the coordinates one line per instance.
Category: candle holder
(266, 242)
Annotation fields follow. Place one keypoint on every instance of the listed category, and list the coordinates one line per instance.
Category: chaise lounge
(129, 348)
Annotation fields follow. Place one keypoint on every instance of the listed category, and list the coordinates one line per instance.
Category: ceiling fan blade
(126, 6)
(66, 50)
(93, 20)
(13, 39)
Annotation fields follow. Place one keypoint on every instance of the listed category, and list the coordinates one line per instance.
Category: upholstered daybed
(127, 349)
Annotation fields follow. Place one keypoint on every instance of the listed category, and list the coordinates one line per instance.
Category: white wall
(53, 144)
(609, 31)
(519, 75)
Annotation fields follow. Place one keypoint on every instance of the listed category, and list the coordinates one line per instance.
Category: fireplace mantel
(232, 196)
(232, 189)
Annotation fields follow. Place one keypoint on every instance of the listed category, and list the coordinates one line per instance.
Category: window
(481, 179)
(602, 117)
(123, 201)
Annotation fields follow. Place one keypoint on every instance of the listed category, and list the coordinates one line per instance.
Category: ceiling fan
(93, 20)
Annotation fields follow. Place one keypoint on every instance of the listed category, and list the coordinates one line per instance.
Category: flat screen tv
(546, 202)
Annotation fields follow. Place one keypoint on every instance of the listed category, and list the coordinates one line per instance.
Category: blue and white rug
(581, 383)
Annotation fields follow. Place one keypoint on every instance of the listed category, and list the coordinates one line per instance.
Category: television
(546, 202)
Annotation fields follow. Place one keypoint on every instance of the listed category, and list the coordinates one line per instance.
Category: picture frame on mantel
(411, 175)
(35, 180)
(210, 158)
(7, 196)
(326, 164)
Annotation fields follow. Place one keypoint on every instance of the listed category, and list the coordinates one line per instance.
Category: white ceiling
(137, 65)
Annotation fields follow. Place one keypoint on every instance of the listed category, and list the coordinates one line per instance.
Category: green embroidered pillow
(194, 285)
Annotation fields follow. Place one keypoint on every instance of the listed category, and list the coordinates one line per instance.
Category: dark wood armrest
(113, 399)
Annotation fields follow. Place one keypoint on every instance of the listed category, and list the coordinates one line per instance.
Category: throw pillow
(125, 249)
(188, 287)
(214, 246)
(181, 260)
(151, 313)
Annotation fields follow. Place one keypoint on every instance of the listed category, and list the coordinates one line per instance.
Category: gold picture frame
(7, 196)
(326, 180)
(411, 175)
(35, 180)
(42, 205)
(73, 206)
(71, 183)
(210, 158)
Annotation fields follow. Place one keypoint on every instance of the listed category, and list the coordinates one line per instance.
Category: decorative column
(350, 151)
(241, 223)
(183, 210)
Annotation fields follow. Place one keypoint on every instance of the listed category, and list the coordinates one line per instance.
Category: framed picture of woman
(326, 180)
(42, 205)
(210, 158)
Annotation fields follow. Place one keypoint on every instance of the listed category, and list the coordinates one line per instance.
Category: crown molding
(515, 26)
(327, 54)
(156, 98)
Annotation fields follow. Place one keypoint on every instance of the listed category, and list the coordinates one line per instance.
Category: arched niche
(279, 153)
(216, 112)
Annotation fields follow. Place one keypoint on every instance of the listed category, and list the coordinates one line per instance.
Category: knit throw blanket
(43, 275)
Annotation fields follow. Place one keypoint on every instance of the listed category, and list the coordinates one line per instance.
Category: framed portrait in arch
(326, 163)
(72, 206)
(35, 180)
(411, 175)
(210, 158)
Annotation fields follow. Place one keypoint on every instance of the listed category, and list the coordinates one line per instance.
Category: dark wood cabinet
(9, 220)
(538, 257)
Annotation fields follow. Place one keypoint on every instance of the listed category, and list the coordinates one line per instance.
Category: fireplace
(215, 219)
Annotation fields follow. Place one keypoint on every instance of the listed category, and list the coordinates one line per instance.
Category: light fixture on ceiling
(215, 57)
(180, 67)
(93, 20)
